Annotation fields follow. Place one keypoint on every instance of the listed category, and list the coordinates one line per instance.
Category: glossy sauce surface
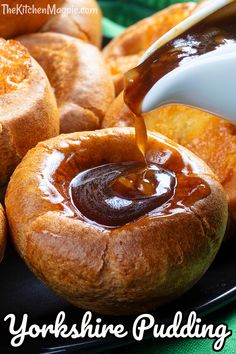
(79, 185)
(199, 40)
(115, 194)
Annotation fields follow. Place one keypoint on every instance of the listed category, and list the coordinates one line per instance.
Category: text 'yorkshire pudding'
(88, 254)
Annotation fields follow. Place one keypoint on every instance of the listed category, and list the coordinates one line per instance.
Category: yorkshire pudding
(16, 17)
(126, 269)
(124, 51)
(3, 228)
(79, 76)
(209, 137)
(80, 18)
(28, 110)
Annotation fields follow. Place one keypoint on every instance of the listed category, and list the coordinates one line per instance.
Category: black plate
(22, 293)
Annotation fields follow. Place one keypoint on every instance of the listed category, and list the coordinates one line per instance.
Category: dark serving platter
(22, 293)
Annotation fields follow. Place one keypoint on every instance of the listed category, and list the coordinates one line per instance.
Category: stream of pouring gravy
(113, 195)
(198, 40)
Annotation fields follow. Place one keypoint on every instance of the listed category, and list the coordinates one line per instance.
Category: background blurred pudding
(86, 25)
(28, 109)
(125, 50)
(78, 74)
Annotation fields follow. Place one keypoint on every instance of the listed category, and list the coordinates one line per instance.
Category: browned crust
(12, 25)
(3, 232)
(27, 116)
(124, 51)
(85, 26)
(126, 270)
(79, 76)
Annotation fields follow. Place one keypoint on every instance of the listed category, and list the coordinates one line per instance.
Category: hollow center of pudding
(115, 194)
(86, 185)
(14, 65)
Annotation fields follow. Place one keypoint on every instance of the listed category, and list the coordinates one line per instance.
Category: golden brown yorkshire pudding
(79, 76)
(18, 17)
(3, 229)
(28, 110)
(124, 51)
(104, 258)
(80, 18)
(209, 137)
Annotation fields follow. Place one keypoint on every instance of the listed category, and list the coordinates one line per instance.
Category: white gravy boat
(207, 82)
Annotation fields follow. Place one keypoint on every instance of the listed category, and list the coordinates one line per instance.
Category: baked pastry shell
(120, 271)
